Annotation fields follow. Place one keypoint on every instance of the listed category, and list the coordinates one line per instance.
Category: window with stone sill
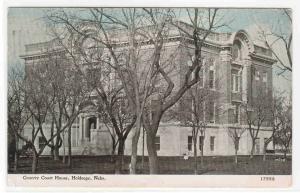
(235, 81)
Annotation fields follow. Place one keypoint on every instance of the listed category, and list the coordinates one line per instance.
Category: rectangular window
(235, 81)
(157, 143)
(264, 77)
(212, 143)
(236, 115)
(42, 142)
(211, 112)
(211, 79)
(257, 75)
(201, 142)
(190, 143)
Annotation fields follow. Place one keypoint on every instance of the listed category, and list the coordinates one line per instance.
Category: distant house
(234, 67)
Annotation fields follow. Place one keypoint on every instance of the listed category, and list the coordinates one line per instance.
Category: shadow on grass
(167, 165)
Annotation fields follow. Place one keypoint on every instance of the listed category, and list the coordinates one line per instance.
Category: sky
(26, 25)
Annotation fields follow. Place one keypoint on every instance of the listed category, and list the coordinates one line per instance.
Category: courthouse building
(235, 66)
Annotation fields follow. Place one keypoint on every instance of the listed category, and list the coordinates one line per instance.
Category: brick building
(236, 68)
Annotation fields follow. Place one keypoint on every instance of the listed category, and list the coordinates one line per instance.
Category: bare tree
(138, 83)
(38, 104)
(195, 103)
(124, 120)
(135, 80)
(276, 110)
(76, 94)
(169, 96)
(67, 92)
(235, 134)
(17, 116)
(40, 97)
(283, 136)
(280, 35)
(256, 114)
(95, 65)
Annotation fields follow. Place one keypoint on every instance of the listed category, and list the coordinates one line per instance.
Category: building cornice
(261, 58)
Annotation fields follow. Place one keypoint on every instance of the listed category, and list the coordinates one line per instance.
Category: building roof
(118, 37)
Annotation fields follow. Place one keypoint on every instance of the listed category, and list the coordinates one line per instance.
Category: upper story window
(211, 77)
(257, 75)
(235, 81)
(237, 53)
(211, 112)
(264, 76)
(236, 113)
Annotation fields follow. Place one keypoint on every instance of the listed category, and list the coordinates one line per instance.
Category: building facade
(236, 69)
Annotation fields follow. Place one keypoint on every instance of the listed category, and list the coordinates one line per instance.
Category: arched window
(91, 49)
(237, 53)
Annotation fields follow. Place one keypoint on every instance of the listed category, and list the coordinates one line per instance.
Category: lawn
(167, 165)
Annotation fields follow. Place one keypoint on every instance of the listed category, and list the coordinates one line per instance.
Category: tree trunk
(285, 152)
(64, 151)
(69, 148)
(135, 140)
(120, 156)
(143, 151)
(56, 153)
(252, 149)
(265, 149)
(56, 148)
(52, 141)
(195, 158)
(52, 152)
(202, 154)
(16, 161)
(16, 156)
(236, 157)
(34, 162)
(153, 162)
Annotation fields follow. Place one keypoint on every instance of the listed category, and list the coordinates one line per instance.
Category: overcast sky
(25, 25)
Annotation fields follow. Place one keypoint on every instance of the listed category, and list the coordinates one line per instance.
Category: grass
(167, 165)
